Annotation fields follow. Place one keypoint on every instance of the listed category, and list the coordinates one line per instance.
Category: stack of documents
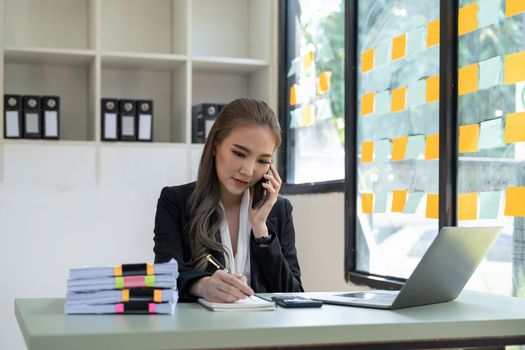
(123, 289)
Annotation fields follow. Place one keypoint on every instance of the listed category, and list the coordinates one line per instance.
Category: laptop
(440, 276)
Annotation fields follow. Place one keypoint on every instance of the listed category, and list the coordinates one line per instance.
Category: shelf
(122, 144)
(177, 53)
(146, 61)
(245, 28)
(156, 27)
(61, 57)
(197, 147)
(56, 23)
(73, 84)
(166, 89)
(233, 85)
(203, 64)
(43, 143)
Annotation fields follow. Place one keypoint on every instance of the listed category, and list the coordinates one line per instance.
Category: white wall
(86, 204)
(319, 228)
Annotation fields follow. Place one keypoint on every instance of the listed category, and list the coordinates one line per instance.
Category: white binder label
(32, 123)
(128, 126)
(110, 125)
(207, 126)
(144, 126)
(51, 119)
(12, 128)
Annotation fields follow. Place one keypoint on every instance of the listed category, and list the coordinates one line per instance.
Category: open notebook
(252, 303)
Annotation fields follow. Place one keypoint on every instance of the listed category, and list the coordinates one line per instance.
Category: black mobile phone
(259, 193)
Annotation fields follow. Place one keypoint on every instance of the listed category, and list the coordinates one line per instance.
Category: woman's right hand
(222, 287)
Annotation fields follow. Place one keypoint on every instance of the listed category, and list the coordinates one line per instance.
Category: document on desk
(132, 307)
(142, 288)
(110, 283)
(122, 296)
(167, 268)
(252, 303)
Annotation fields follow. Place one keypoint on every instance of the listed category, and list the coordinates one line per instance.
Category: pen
(216, 263)
(220, 266)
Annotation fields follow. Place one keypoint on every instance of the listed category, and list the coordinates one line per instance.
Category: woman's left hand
(259, 215)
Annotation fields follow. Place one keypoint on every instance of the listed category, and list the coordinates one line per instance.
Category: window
(403, 187)
(314, 88)
(406, 173)
(491, 134)
(397, 134)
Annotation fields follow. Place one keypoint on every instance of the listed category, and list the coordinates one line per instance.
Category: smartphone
(259, 193)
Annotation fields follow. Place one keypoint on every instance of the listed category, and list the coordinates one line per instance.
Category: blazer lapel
(257, 284)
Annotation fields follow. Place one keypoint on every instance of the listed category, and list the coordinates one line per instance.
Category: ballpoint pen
(220, 266)
(216, 263)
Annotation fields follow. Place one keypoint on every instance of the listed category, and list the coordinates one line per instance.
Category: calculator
(296, 301)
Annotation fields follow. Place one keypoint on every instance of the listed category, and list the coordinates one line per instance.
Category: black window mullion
(448, 107)
(284, 17)
(351, 47)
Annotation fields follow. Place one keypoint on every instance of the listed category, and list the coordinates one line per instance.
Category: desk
(474, 319)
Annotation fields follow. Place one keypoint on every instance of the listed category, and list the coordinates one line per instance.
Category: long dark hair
(205, 211)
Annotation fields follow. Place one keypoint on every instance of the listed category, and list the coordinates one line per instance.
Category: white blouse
(240, 264)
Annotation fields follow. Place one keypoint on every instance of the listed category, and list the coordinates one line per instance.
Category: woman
(215, 216)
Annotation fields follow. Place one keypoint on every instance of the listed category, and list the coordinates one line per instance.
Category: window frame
(285, 13)
(448, 157)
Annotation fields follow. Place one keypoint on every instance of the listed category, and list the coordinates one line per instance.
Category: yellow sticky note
(513, 7)
(468, 138)
(433, 33)
(399, 45)
(432, 89)
(398, 99)
(514, 68)
(399, 147)
(468, 79)
(514, 201)
(514, 128)
(467, 206)
(324, 82)
(432, 147)
(367, 203)
(367, 103)
(307, 115)
(367, 151)
(294, 95)
(367, 60)
(308, 60)
(399, 198)
(432, 211)
(468, 18)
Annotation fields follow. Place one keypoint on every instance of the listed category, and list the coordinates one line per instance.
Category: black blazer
(274, 268)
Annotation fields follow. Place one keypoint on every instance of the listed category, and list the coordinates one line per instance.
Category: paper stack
(123, 289)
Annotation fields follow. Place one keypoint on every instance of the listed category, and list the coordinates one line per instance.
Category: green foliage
(331, 31)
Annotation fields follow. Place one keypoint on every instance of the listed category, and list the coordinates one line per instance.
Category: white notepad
(252, 303)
